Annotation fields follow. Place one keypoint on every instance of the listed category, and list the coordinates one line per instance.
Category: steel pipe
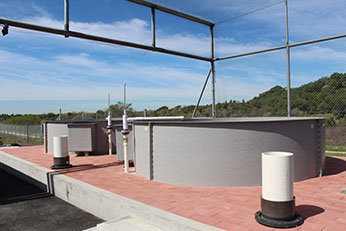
(283, 47)
(153, 27)
(67, 17)
(173, 12)
(98, 39)
(200, 96)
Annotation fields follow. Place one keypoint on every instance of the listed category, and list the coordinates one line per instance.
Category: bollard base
(61, 163)
(61, 166)
(277, 223)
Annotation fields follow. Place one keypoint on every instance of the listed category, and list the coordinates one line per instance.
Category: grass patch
(336, 154)
(336, 148)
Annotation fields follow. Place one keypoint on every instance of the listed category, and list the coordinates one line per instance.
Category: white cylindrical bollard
(61, 158)
(60, 144)
(278, 201)
(277, 176)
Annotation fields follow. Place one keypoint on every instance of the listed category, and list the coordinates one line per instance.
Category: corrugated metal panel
(81, 138)
(226, 154)
(120, 145)
(142, 151)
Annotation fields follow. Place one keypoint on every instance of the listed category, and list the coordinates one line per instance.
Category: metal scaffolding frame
(68, 33)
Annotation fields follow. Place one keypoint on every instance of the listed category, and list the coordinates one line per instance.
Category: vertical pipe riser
(109, 131)
(126, 160)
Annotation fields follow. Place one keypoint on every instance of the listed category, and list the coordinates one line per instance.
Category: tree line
(325, 97)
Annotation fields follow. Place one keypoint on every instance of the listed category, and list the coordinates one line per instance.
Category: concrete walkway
(321, 201)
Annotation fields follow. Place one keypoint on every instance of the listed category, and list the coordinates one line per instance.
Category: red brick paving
(318, 200)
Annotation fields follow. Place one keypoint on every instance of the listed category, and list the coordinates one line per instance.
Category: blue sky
(42, 73)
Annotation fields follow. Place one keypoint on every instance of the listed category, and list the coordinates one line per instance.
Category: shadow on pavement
(334, 166)
(307, 211)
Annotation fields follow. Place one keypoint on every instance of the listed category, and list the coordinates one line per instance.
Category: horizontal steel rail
(98, 39)
(173, 12)
(283, 47)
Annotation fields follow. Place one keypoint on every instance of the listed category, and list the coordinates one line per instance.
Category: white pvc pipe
(109, 119)
(110, 143)
(156, 118)
(126, 160)
(277, 176)
(60, 146)
(109, 126)
(125, 123)
(125, 139)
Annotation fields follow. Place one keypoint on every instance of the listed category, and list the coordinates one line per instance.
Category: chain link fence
(21, 134)
(257, 84)
(325, 94)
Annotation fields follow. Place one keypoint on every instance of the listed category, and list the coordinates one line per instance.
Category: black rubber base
(61, 166)
(275, 223)
(61, 162)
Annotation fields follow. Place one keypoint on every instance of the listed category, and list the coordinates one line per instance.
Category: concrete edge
(96, 201)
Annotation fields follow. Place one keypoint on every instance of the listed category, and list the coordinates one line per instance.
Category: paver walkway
(321, 201)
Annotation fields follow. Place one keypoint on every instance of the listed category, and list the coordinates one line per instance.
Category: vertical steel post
(288, 64)
(125, 96)
(109, 101)
(27, 134)
(67, 17)
(153, 27)
(213, 109)
(60, 115)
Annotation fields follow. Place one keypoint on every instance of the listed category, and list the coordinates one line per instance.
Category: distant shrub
(23, 120)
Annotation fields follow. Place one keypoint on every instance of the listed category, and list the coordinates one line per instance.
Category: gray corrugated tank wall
(226, 152)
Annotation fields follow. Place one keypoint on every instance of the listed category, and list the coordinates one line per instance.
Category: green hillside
(326, 96)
